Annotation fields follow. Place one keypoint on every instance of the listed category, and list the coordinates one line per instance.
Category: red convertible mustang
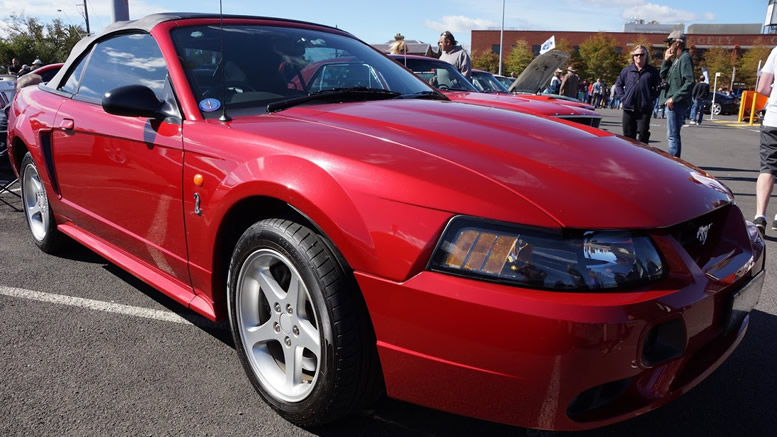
(363, 234)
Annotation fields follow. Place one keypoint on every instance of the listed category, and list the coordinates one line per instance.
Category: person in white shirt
(768, 149)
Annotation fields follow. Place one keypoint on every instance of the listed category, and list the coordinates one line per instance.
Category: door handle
(67, 124)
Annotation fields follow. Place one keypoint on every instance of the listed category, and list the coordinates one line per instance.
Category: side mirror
(133, 101)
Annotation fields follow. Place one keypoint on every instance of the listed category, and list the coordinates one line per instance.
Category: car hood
(520, 103)
(536, 76)
(488, 162)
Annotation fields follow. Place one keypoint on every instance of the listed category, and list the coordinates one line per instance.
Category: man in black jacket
(637, 89)
(699, 94)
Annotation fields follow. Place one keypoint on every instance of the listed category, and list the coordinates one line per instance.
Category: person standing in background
(14, 67)
(569, 84)
(677, 76)
(768, 147)
(399, 46)
(555, 83)
(700, 92)
(637, 88)
(598, 92)
(452, 53)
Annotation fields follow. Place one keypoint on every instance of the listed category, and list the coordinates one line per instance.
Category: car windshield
(270, 64)
(439, 74)
(487, 83)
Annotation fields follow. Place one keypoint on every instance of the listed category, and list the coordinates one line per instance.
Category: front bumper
(561, 361)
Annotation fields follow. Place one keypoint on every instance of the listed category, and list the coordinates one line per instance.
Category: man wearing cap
(37, 63)
(677, 86)
(569, 83)
(455, 55)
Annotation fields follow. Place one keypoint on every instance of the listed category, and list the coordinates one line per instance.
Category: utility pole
(86, 19)
(120, 10)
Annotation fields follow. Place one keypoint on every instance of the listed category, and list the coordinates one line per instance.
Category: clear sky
(377, 22)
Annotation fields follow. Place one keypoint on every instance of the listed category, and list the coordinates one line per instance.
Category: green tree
(27, 39)
(600, 59)
(748, 64)
(519, 58)
(574, 56)
(719, 60)
(486, 60)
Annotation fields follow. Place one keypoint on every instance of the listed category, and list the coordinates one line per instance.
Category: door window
(124, 60)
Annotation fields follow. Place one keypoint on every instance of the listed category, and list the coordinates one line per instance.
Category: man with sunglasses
(678, 82)
(637, 89)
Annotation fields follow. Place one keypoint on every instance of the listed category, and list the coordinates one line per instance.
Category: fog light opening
(583, 406)
(664, 342)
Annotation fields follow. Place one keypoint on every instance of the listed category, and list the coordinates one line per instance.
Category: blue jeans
(697, 111)
(674, 122)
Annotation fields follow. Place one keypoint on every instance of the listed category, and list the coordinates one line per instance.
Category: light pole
(714, 90)
(72, 26)
(501, 37)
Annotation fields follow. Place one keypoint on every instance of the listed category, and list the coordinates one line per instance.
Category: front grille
(711, 235)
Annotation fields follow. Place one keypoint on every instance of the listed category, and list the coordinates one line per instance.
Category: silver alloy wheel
(278, 325)
(716, 109)
(36, 204)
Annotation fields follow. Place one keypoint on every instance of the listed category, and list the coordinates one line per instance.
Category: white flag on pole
(548, 45)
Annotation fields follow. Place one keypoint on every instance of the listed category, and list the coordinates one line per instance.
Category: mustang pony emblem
(702, 233)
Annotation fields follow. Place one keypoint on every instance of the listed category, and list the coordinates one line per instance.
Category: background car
(364, 234)
(448, 79)
(506, 81)
(48, 71)
(487, 83)
(724, 104)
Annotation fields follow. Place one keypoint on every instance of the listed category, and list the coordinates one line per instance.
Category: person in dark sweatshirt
(699, 95)
(637, 89)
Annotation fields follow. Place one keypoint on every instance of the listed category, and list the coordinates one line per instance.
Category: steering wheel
(443, 87)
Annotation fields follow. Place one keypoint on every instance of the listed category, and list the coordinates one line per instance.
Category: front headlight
(535, 258)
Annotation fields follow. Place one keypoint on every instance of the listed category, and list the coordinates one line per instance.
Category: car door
(120, 177)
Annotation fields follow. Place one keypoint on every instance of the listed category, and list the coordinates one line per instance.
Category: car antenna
(224, 117)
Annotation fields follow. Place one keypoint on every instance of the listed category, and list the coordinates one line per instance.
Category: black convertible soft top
(147, 23)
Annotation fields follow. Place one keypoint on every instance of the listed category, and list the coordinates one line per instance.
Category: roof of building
(725, 29)
(414, 47)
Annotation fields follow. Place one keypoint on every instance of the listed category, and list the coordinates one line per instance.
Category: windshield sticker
(209, 105)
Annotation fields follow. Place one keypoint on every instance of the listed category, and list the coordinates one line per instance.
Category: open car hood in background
(537, 75)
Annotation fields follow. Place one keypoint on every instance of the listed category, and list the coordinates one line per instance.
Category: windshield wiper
(433, 95)
(354, 94)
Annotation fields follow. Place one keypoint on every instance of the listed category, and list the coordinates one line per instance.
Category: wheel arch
(243, 214)
(18, 148)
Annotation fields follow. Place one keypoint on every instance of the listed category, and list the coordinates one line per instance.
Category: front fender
(364, 227)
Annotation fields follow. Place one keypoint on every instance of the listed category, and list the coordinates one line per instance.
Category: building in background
(699, 37)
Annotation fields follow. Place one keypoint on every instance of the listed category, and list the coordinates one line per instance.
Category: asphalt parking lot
(86, 349)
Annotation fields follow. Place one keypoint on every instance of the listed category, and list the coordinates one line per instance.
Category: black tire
(291, 301)
(716, 109)
(37, 209)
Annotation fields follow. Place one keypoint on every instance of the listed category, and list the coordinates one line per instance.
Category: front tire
(299, 324)
(716, 109)
(37, 210)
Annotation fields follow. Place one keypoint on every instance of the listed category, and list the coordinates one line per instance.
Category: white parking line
(60, 299)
